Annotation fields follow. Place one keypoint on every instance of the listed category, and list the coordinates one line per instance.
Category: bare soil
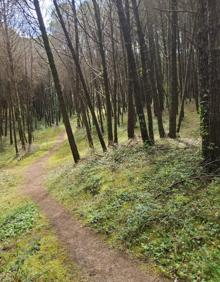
(95, 258)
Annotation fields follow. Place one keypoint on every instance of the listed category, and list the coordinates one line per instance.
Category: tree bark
(133, 75)
(214, 83)
(173, 71)
(77, 63)
(57, 84)
(105, 71)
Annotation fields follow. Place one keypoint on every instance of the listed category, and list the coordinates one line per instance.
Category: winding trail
(94, 257)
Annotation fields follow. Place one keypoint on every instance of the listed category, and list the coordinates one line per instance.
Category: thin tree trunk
(133, 71)
(146, 82)
(89, 102)
(173, 71)
(66, 121)
(105, 72)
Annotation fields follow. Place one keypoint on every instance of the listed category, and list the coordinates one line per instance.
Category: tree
(144, 61)
(77, 63)
(104, 70)
(214, 84)
(57, 84)
(173, 111)
(133, 75)
(203, 59)
(77, 48)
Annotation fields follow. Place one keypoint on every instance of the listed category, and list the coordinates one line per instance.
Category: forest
(109, 140)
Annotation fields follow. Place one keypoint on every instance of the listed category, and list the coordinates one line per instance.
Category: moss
(36, 257)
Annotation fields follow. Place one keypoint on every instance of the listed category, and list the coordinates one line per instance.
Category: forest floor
(134, 213)
(156, 204)
(98, 262)
(39, 239)
(29, 248)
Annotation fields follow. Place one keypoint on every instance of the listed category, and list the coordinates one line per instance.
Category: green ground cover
(155, 203)
(29, 250)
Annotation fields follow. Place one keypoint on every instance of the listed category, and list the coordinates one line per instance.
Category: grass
(155, 203)
(190, 128)
(43, 140)
(29, 250)
(63, 155)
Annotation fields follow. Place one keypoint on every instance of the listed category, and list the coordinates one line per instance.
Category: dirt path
(95, 258)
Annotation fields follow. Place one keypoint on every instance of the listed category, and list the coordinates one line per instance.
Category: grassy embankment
(155, 203)
(29, 251)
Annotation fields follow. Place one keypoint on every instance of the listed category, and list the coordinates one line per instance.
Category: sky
(46, 8)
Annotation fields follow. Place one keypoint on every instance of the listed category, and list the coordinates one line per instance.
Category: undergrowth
(157, 203)
(18, 221)
(29, 251)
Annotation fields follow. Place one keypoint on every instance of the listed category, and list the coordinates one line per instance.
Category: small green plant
(18, 221)
(93, 185)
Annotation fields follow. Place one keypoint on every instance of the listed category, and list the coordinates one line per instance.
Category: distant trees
(27, 95)
(14, 106)
(79, 70)
(132, 70)
(112, 62)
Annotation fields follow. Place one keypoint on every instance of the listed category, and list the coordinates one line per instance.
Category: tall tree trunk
(173, 71)
(66, 120)
(146, 82)
(115, 83)
(105, 71)
(133, 71)
(83, 82)
(83, 107)
(214, 83)
(155, 83)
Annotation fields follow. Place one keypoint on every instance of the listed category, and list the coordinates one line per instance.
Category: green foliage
(18, 221)
(155, 202)
(36, 257)
(28, 249)
(92, 185)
